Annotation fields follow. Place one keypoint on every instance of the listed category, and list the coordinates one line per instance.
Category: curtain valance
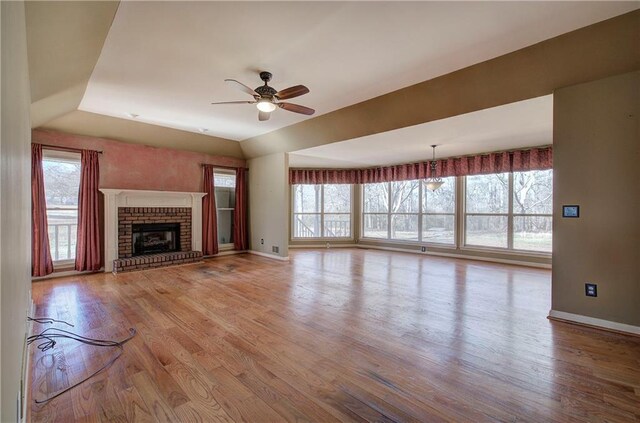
(505, 161)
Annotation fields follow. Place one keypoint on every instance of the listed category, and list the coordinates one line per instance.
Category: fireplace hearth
(152, 238)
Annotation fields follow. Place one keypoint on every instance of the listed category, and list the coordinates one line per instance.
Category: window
(509, 210)
(487, 210)
(61, 172)
(408, 211)
(321, 211)
(532, 210)
(225, 191)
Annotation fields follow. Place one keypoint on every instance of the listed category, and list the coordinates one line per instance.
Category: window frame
(321, 215)
(509, 249)
(229, 245)
(68, 157)
(421, 214)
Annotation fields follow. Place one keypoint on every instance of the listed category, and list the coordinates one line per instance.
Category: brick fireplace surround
(129, 216)
(124, 208)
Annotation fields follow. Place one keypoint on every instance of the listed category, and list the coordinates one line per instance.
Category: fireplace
(152, 238)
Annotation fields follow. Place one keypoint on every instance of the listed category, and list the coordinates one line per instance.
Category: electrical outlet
(275, 249)
(262, 241)
(591, 289)
(423, 249)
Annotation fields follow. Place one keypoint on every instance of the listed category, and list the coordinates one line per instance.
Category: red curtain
(209, 218)
(506, 161)
(240, 241)
(88, 236)
(41, 263)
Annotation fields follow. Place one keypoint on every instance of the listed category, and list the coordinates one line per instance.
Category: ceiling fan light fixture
(265, 106)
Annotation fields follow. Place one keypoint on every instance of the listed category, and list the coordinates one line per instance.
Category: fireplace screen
(151, 238)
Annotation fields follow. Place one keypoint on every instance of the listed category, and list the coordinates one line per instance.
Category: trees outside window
(321, 211)
(408, 211)
(61, 171)
(509, 210)
(225, 191)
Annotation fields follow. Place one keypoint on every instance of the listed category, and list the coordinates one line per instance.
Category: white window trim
(321, 213)
(71, 157)
(421, 213)
(229, 245)
(510, 232)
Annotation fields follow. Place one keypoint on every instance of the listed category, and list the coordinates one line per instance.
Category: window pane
(225, 226)
(488, 231)
(225, 197)
(438, 228)
(63, 226)
(442, 200)
(61, 185)
(532, 233)
(337, 198)
(224, 180)
(306, 225)
(337, 225)
(405, 196)
(533, 192)
(404, 226)
(488, 193)
(375, 225)
(376, 198)
(306, 198)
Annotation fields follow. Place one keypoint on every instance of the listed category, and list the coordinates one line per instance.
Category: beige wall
(597, 166)
(15, 205)
(269, 203)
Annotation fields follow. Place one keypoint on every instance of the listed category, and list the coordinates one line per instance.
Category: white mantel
(114, 198)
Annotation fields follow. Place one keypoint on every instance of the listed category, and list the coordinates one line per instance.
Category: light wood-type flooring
(332, 335)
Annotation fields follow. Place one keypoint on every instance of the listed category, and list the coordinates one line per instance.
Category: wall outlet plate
(275, 249)
(262, 241)
(591, 289)
(423, 249)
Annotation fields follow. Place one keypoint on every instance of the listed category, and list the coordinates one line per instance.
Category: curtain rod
(61, 148)
(223, 167)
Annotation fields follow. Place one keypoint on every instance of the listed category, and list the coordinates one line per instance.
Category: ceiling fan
(267, 99)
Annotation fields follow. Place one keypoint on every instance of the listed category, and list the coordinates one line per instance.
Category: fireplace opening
(151, 238)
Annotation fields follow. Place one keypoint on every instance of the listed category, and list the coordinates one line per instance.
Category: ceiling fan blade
(242, 87)
(296, 108)
(292, 92)
(262, 116)
(235, 102)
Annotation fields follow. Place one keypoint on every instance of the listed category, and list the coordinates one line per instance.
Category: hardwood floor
(334, 335)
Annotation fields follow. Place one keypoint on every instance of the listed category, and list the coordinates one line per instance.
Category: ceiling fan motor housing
(266, 91)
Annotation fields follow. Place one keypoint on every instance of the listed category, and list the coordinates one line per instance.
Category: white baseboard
(271, 256)
(459, 256)
(593, 321)
(324, 246)
(66, 273)
(226, 253)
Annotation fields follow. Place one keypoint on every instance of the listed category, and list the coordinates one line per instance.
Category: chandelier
(434, 183)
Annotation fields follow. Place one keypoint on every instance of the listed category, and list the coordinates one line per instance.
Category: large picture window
(225, 191)
(408, 211)
(509, 210)
(61, 171)
(321, 211)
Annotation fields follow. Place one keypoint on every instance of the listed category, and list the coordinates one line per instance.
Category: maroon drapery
(209, 218)
(505, 161)
(88, 235)
(240, 241)
(41, 262)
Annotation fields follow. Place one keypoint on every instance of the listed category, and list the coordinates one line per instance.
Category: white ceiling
(166, 61)
(526, 123)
